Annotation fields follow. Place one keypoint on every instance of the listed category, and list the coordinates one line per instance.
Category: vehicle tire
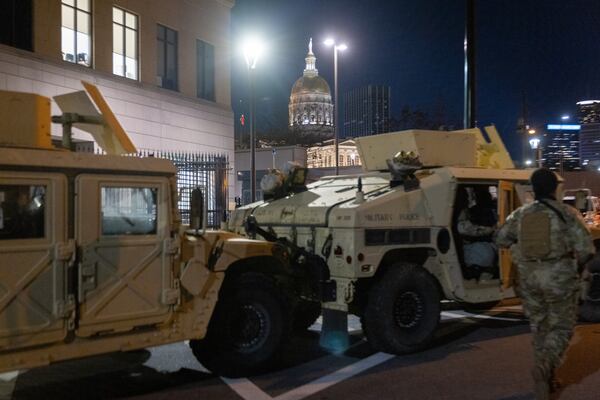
(250, 325)
(305, 314)
(403, 309)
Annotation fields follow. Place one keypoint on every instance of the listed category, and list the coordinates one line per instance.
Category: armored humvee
(389, 235)
(94, 257)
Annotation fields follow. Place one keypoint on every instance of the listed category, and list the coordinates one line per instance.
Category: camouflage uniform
(477, 246)
(548, 287)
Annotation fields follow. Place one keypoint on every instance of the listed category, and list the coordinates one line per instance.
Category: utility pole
(470, 88)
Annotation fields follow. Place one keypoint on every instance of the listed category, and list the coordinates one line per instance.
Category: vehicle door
(511, 195)
(34, 257)
(125, 270)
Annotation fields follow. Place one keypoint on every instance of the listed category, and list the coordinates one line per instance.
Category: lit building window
(76, 31)
(125, 43)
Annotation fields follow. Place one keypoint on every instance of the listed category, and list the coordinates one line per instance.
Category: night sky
(547, 49)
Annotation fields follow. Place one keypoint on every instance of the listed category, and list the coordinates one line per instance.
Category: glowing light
(329, 42)
(587, 102)
(531, 131)
(253, 48)
(342, 47)
(528, 162)
(534, 143)
(565, 117)
(563, 127)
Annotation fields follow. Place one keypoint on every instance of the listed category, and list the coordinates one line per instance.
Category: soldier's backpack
(535, 236)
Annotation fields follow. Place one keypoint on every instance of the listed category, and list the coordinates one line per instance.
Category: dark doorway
(16, 23)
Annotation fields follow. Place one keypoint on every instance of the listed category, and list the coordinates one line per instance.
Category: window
(167, 57)
(129, 210)
(205, 65)
(16, 23)
(76, 33)
(125, 43)
(22, 211)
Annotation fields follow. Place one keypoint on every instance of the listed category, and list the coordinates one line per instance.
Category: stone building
(163, 66)
(311, 115)
(323, 156)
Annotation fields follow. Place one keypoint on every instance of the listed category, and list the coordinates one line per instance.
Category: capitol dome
(311, 107)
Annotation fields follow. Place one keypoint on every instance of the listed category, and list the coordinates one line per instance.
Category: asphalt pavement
(475, 355)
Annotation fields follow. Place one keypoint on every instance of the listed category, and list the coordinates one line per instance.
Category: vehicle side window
(22, 211)
(129, 210)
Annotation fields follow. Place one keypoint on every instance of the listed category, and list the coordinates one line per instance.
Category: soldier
(476, 225)
(547, 240)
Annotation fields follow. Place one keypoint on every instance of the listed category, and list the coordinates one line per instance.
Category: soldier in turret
(547, 240)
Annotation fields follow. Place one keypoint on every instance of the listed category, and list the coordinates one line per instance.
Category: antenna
(88, 110)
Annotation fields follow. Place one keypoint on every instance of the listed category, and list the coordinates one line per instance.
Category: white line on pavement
(462, 315)
(336, 377)
(249, 391)
(246, 389)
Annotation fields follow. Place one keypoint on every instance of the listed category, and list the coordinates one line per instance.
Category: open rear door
(506, 204)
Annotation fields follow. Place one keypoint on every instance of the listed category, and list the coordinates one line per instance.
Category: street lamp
(534, 142)
(336, 47)
(565, 117)
(253, 48)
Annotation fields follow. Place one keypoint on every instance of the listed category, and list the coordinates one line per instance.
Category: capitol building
(311, 115)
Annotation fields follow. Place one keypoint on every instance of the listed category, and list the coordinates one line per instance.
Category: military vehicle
(389, 235)
(94, 257)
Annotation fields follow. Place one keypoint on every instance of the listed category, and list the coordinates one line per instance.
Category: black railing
(205, 170)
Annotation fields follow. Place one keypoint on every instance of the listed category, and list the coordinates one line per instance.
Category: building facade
(323, 156)
(561, 147)
(310, 108)
(367, 111)
(589, 136)
(164, 67)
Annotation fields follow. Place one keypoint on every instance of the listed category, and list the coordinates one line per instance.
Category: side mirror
(197, 209)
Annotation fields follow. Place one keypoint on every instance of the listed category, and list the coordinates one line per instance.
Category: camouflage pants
(549, 294)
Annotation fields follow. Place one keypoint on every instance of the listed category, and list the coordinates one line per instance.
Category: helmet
(544, 183)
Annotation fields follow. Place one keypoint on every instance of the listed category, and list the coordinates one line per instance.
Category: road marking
(446, 315)
(246, 389)
(336, 377)
(8, 381)
(249, 391)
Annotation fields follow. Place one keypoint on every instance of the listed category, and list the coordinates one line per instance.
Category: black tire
(249, 326)
(305, 314)
(403, 310)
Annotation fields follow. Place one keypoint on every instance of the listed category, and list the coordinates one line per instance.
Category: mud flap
(334, 331)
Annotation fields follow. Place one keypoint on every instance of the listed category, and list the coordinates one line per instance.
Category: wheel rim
(250, 327)
(408, 309)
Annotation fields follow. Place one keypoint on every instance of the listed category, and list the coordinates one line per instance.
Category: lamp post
(252, 51)
(336, 48)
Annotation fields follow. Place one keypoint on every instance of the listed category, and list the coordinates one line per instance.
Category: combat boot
(541, 381)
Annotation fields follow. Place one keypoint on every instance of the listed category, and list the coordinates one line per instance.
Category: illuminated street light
(565, 117)
(528, 162)
(531, 131)
(534, 142)
(253, 49)
(341, 47)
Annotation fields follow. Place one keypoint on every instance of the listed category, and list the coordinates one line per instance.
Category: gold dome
(310, 84)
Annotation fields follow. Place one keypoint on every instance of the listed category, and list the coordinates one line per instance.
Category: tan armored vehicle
(94, 259)
(390, 236)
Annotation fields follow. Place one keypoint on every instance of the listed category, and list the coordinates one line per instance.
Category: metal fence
(208, 171)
